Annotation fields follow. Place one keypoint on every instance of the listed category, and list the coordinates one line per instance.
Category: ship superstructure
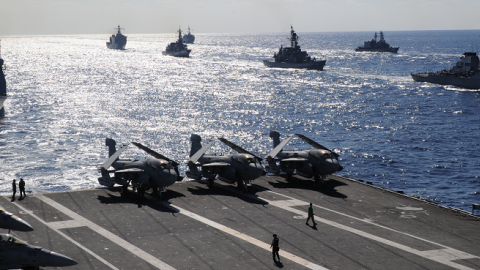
(293, 56)
(377, 46)
(465, 74)
(117, 41)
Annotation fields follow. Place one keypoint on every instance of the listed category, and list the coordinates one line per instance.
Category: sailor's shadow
(328, 189)
(278, 264)
(226, 191)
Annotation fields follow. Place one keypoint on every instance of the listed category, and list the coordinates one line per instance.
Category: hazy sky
(46, 17)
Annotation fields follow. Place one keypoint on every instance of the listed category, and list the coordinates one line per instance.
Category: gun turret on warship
(178, 48)
(117, 41)
(3, 83)
(377, 46)
(465, 74)
(188, 38)
(294, 57)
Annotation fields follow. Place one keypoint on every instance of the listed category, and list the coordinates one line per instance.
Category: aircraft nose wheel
(210, 182)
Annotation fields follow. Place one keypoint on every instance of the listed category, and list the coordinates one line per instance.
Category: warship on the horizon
(294, 57)
(465, 74)
(377, 46)
(3, 83)
(117, 41)
(178, 48)
(188, 38)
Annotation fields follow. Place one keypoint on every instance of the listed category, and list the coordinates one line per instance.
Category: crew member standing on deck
(275, 247)
(21, 185)
(310, 215)
(14, 188)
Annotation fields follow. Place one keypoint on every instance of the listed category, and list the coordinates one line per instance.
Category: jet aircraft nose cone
(21, 225)
(56, 259)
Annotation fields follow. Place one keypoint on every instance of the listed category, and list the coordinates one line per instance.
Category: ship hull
(2, 100)
(392, 50)
(462, 82)
(184, 53)
(116, 46)
(318, 65)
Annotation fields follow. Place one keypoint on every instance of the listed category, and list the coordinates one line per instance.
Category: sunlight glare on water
(67, 93)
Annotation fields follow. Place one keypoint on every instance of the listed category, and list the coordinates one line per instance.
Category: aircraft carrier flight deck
(359, 226)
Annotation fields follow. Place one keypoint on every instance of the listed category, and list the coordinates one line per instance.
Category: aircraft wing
(202, 151)
(280, 146)
(315, 144)
(216, 164)
(238, 148)
(132, 170)
(154, 154)
(294, 159)
(113, 157)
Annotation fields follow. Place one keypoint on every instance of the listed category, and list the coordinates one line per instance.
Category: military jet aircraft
(15, 253)
(316, 163)
(238, 168)
(10, 221)
(157, 173)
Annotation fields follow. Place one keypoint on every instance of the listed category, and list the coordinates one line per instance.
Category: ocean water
(68, 93)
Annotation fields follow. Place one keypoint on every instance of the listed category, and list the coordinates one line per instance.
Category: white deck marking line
(67, 237)
(243, 236)
(65, 224)
(105, 233)
(443, 256)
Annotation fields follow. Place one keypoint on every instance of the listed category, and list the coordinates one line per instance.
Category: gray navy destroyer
(465, 74)
(377, 46)
(117, 41)
(3, 84)
(294, 57)
(178, 48)
(188, 38)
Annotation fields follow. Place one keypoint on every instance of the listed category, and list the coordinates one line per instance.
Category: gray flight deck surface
(358, 227)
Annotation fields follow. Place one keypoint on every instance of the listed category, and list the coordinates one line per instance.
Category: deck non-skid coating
(358, 227)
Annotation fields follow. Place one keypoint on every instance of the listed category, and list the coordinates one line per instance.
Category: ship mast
(118, 29)
(293, 38)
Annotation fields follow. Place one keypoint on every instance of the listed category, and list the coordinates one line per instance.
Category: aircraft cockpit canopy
(244, 158)
(158, 164)
(321, 154)
(3, 212)
(8, 239)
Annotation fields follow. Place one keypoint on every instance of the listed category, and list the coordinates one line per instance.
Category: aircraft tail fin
(275, 137)
(196, 144)
(111, 146)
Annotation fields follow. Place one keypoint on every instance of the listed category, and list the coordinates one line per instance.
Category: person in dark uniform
(14, 188)
(310, 215)
(21, 185)
(275, 247)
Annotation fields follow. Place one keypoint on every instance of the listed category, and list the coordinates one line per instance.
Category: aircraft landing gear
(319, 180)
(210, 182)
(241, 185)
(159, 194)
(124, 190)
(289, 177)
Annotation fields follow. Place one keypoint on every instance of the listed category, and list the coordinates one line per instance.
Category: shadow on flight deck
(298, 183)
(226, 191)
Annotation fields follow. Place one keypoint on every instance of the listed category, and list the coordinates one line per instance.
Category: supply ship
(464, 74)
(117, 41)
(294, 57)
(377, 46)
